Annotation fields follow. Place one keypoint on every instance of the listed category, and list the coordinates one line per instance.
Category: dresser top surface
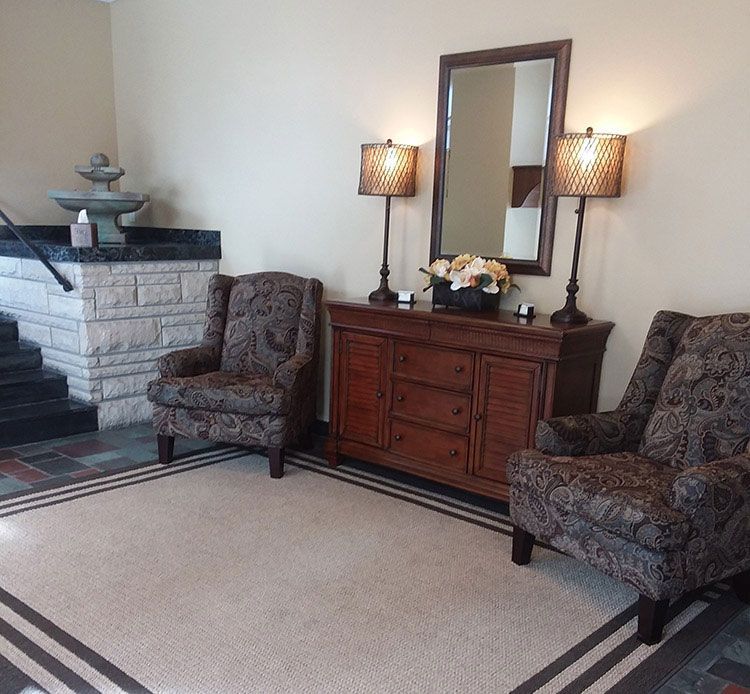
(424, 310)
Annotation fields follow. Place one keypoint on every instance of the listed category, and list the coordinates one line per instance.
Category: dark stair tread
(52, 419)
(17, 346)
(18, 390)
(36, 410)
(8, 330)
(22, 359)
(30, 376)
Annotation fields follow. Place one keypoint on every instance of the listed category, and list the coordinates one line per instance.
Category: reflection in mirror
(496, 146)
(497, 111)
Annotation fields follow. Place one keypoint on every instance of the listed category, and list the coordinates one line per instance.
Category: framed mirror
(498, 111)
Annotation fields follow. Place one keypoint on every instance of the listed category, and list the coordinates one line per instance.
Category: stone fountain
(103, 206)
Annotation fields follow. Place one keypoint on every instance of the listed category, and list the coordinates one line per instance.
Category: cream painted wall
(56, 101)
(248, 118)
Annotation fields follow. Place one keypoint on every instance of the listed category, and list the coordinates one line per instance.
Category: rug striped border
(699, 616)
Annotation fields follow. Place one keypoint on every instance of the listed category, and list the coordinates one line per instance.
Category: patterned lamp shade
(388, 169)
(588, 165)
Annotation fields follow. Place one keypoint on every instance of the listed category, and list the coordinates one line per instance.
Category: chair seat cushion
(220, 391)
(623, 493)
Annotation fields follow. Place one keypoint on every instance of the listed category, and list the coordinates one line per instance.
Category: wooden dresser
(449, 394)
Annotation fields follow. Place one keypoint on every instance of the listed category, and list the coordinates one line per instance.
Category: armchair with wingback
(657, 492)
(252, 380)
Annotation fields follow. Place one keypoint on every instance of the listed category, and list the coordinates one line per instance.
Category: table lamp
(586, 165)
(388, 170)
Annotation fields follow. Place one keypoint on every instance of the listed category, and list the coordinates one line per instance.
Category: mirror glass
(498, 111)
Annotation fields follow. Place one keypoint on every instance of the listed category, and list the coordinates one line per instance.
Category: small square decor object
(405, 296)
(84, 235)
(525, 310)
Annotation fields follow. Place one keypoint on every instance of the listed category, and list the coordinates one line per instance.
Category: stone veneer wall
(106, 335)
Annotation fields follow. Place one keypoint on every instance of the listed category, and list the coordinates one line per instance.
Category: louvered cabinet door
(506, 412)
(363, 362)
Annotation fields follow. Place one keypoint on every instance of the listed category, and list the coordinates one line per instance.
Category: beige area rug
(208, 576)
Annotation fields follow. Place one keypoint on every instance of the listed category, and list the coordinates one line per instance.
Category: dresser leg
(331, 453)
(523, 543)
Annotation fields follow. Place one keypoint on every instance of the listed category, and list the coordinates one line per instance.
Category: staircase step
(8, 330)
(23, 359)
(45, 420)
(9, 347)
(23, 387)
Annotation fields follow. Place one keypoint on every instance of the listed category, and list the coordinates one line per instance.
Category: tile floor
(47, 464)
(722, 665)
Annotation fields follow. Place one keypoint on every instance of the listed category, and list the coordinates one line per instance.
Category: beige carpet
(212, 577)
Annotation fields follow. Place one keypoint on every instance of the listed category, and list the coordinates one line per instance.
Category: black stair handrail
(65, 284)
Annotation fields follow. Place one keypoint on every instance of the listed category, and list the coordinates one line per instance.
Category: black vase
(464, 298)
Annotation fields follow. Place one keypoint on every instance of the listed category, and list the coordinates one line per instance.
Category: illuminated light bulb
(391, 160)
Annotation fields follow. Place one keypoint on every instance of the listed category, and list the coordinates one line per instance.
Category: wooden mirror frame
(559, 51)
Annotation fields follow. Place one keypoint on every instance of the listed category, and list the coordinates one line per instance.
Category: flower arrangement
(467, 271)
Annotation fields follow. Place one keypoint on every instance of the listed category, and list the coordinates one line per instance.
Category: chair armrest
(709, 495)
(290, 372)
(590, 434)
(189, 362)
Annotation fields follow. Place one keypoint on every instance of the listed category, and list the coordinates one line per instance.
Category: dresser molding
(507, 371)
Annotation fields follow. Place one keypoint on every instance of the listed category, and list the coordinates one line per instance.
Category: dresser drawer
(430, 446)
(440, 408)
(444, 367)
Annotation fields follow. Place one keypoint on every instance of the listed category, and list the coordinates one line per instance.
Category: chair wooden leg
(276, 462)
(165, 444)
(523, 543)
(651, 617)
(741, 585)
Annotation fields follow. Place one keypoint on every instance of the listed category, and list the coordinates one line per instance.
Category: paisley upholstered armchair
(657, 492)
(252, 381)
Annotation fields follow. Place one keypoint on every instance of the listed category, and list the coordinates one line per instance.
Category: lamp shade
(388, 169)
(588, 165)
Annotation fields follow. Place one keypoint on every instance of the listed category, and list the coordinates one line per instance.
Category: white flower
(460, 278)
(440, 267)
(476, 266)
(491, 288)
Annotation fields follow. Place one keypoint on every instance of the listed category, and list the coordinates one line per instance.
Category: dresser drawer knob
(379, 395)
(453, 452)
(458, 369)
(477, 416)
(402, 358)
(398, 437)
(400, 398)
(456, 410)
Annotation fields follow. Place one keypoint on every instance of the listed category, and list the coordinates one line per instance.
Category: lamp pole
(383, 292)
(570, 313)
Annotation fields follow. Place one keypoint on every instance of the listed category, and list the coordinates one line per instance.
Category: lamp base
(570, 313)
(383, 293)
(573, 317)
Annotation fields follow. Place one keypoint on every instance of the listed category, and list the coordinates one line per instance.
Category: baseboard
(320, 427)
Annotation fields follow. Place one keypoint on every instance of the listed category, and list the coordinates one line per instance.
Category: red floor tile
(30, 475)
(10, 466)
(80, 449)
(735, 689)
(6, 453)
(85, 473)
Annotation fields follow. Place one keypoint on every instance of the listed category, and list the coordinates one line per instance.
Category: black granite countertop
(141, 244)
